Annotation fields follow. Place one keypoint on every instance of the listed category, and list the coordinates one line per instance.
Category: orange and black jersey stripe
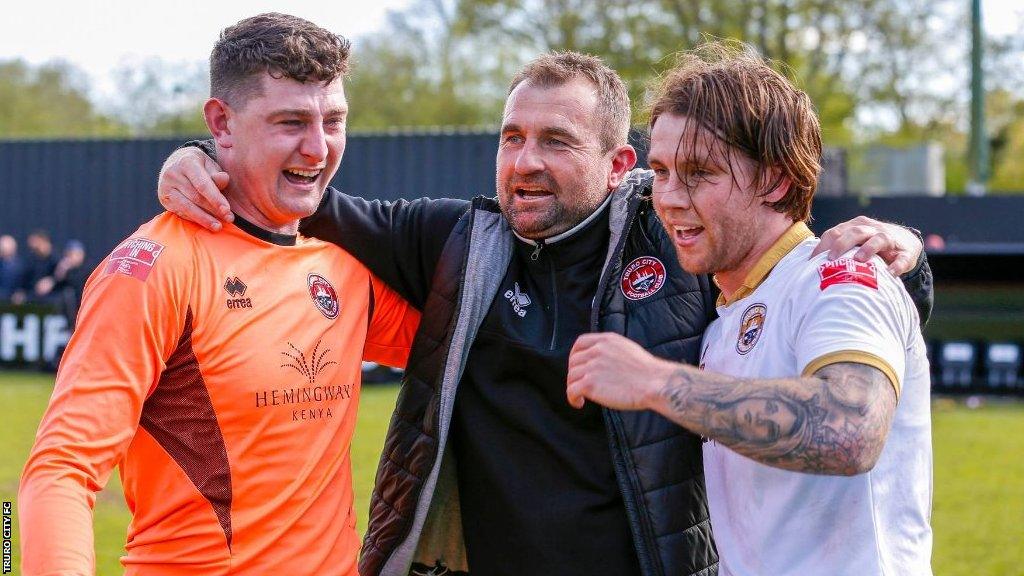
(221, 373)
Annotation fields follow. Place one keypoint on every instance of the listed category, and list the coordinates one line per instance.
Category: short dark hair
(277, 44)
(559, 68)
(734, 93)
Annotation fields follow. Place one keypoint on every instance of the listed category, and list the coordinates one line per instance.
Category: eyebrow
(555, 131)
(303, 112)
(549, 131)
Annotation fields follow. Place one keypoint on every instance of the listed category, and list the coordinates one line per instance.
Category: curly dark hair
(277, 44)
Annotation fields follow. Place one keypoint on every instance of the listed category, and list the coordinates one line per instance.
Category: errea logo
(236, 290)
(518, 299)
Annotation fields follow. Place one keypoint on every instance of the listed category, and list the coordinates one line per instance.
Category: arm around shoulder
(400, 242)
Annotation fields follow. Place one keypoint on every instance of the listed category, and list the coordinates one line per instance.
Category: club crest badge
(323, 295)
(751, 326)
(642, 278)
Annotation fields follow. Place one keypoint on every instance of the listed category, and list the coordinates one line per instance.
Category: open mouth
(686, 234)
(532, 193)
(301, 177)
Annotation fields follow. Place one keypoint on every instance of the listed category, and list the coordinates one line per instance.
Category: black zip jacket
(450, 259)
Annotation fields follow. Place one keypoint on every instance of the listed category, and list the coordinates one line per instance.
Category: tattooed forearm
(834, 422)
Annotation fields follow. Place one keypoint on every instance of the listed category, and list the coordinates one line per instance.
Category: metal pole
(979, 139)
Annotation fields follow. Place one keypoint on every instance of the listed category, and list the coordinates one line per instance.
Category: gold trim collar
(789, 240)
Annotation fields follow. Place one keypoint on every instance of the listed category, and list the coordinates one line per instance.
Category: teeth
(304, 173)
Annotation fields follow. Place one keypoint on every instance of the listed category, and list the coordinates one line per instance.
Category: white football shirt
(794, 315)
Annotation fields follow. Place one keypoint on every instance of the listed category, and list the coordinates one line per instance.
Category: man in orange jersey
(221, 372)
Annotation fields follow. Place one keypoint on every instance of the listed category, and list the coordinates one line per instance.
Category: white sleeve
(852, 312)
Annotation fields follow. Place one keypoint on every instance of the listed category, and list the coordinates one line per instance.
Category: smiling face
(281, 147)
(704, 195)
(552, 171)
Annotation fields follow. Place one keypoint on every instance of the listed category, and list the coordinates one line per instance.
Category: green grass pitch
(979, 476)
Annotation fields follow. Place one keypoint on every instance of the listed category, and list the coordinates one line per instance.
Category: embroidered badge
(751, 326)
(642, 278)
(135, 257)
(323, 295)
(848, 271)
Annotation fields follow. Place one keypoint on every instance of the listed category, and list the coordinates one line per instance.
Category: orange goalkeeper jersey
(221, 372)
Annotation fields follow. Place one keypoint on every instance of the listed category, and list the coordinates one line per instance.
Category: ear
(217, 114)
(780, 191)
(623, 160)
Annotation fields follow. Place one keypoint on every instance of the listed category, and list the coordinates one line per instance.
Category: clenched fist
(615, 372)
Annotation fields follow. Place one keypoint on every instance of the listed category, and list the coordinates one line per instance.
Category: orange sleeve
(131, 317)
(392, 327)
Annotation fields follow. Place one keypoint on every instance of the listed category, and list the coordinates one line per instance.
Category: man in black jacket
(485, 464)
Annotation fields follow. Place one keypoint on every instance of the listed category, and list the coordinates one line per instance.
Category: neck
(771, 230)
(241, 205)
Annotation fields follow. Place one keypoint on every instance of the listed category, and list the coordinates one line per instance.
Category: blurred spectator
(64, 286)
(40, 263)
(11, 268)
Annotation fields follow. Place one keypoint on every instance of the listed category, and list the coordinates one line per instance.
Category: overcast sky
(97, 35)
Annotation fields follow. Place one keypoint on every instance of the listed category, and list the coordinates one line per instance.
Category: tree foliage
(879, 58)
(160, 98)
(49, 101)
(878, 70)
(420, 71)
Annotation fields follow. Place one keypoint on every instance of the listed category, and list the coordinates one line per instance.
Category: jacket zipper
(649, 564)
(554, 295)
(536, 250)
(534, 256)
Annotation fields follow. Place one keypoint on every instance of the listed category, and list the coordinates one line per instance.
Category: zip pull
(536, 250)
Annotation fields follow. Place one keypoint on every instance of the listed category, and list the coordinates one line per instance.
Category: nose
(528, 159)
(314, 142)
(671, 195)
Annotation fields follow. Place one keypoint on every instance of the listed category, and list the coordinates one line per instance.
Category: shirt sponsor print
(751, 327)
(642, 278)
(848, 271)
(325, 298)
(135, 257)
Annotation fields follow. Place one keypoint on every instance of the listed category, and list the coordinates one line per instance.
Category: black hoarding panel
(99, 191)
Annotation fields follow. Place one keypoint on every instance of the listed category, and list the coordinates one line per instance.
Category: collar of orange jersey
(789, 240)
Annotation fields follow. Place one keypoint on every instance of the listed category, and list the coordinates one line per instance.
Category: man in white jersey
(813, 388)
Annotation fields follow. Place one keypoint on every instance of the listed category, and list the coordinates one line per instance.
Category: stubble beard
(732, 247)
(562, 214)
